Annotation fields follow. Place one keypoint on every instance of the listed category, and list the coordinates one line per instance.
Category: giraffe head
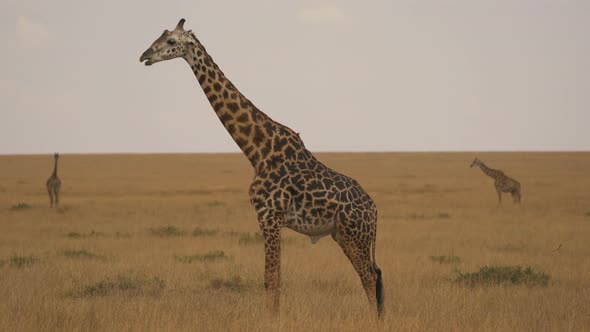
(170, 45)
(475, 162)
(56, 155)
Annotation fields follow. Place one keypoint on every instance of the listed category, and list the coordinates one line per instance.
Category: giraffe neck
(251, 129)
(489, 171)
(54, 174)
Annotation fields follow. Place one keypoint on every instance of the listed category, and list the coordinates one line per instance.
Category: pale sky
(349, 75)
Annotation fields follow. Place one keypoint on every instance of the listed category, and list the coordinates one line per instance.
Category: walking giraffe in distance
(54, 184)
(502, 182)
(291, 188)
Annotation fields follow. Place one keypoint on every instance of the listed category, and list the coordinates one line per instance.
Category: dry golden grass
(136, 246)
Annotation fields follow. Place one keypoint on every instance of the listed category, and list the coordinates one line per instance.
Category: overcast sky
(348, 75)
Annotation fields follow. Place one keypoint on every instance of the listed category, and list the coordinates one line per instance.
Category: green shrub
(445, 259)
(22, 261)
(502, 275)
(204, 232)
(247, 239)
(78, 254)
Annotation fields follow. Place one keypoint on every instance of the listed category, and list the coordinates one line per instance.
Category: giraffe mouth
(147, 58)
(148, 61)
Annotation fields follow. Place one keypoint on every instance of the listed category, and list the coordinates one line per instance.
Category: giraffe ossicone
(291, 188)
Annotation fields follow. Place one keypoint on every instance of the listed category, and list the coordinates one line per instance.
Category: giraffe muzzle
(147, 57)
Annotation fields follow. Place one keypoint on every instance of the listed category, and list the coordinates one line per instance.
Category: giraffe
(502, 182)
(54, 184)
(291, 188)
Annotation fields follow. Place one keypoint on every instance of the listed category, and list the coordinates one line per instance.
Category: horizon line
(320, 151)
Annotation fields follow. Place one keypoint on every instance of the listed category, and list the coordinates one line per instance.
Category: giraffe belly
(302, 221)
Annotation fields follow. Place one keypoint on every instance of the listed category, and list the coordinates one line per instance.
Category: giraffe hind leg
(358, 252)
(56, 195)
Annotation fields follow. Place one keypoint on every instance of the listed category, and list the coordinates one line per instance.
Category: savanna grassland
(169, 242)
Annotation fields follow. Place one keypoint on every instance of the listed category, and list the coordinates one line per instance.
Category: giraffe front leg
(499, 196)
(271, 233)
(50, 198)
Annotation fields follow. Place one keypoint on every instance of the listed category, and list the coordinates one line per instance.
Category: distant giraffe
(54, 184)
(291, 188)
(502, 182)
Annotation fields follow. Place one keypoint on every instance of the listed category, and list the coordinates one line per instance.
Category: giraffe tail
(379, 285)
(379, 291)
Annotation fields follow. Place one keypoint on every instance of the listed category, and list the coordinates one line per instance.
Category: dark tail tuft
(379, 288)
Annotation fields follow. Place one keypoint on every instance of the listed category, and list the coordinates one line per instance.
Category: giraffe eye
(171, 42)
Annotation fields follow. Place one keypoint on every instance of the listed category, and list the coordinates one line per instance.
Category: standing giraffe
(54, 184)
(291, 188)
(502, 182)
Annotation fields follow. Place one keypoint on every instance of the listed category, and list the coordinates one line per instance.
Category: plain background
(349, 76)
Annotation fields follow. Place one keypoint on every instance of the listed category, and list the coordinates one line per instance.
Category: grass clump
(204, 232)
(167, 231)
(22, 261)
(234, 284)
(211, 256)
(124, 284)
(511, 247)
(247, 239)
(92, 233)
(78, 254)
(445, 259)
(443, 215)
(21, 206)
(502, 275)
(125, 235)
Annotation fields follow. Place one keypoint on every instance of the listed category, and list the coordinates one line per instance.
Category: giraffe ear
(180, 24)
